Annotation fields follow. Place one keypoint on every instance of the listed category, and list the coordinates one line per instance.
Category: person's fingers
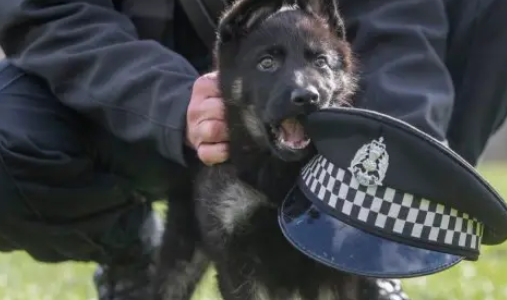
(210, 109)
(207, 124)
(211, 75)
(206, 86)
(213, 153)
(206, 128)
(211, 131)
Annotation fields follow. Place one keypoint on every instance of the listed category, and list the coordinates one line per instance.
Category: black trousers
(67, 189)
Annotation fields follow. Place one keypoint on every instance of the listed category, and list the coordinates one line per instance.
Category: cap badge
(370, 163)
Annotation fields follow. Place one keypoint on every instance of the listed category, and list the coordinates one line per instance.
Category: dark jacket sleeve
(400, 47)
(92, 59)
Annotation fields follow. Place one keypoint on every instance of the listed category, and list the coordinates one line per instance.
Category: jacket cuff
(175, 147)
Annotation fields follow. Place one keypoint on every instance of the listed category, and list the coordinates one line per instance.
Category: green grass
(21, 278)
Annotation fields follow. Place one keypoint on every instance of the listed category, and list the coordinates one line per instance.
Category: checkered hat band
(390, 211)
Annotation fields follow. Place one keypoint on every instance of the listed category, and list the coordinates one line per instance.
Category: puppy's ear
(241, 16)
(327, 9)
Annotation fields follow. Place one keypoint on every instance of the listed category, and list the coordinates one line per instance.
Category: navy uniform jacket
(129, 65)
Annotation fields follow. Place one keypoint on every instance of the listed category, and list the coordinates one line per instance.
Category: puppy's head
(278, 61)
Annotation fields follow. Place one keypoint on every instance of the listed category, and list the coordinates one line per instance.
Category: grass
(21, 278)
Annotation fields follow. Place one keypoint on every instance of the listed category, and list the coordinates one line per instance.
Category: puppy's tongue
(292, 131)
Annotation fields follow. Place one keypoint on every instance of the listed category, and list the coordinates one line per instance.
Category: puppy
(278, 61)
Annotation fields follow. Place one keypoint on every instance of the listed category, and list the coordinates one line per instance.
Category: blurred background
(21, 278)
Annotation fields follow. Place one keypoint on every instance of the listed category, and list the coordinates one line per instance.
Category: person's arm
(400, 47)
(93, 61)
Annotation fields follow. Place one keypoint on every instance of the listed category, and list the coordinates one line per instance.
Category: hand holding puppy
(206, 128)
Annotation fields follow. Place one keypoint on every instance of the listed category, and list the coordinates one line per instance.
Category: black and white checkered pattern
(392, 211)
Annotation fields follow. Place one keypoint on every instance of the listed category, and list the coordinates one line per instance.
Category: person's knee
(54, 202)
(84, 222)
(45, 155)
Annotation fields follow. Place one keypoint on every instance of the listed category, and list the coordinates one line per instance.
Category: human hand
(206, 128)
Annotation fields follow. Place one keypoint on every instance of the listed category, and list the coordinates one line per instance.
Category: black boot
(131, 280)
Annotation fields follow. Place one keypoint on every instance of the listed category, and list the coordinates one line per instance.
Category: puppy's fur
(278, 61)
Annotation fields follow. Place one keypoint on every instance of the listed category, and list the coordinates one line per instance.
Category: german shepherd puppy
(278, 61)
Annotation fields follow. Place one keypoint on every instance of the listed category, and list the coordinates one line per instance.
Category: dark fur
(230, 217)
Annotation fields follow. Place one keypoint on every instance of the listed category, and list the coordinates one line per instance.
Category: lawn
(23, 279)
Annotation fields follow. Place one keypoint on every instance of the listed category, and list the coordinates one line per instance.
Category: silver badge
(370, 163)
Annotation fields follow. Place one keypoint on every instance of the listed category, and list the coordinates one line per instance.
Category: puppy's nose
(306, 96)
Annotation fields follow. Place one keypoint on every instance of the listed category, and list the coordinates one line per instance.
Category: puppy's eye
(266, 63)
(321, 61)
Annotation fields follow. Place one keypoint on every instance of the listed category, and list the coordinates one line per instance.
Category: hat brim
(328, 240)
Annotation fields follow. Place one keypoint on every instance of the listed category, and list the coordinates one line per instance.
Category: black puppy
(278, 61)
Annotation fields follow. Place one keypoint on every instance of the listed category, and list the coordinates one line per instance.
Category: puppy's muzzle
(305, 96)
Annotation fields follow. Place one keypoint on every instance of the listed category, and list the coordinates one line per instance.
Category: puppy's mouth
(290, 135)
